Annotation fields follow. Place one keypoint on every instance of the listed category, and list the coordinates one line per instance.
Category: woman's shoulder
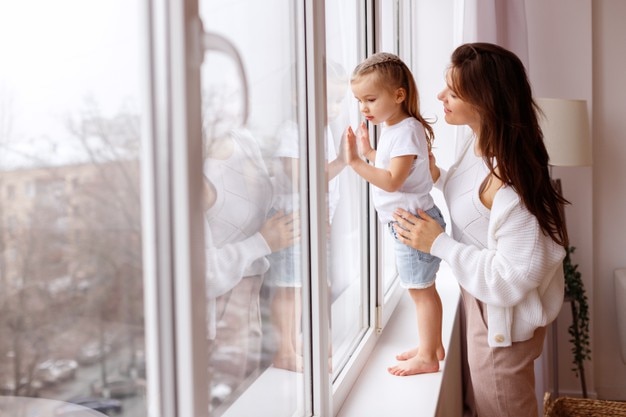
(507, 200)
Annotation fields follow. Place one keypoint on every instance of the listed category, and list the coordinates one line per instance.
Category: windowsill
(377, 393)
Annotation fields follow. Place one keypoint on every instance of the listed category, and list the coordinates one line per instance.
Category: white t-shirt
(404, 138)
(288, 147)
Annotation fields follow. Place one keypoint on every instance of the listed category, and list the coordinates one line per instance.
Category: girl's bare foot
(414, 366)
(441, 353)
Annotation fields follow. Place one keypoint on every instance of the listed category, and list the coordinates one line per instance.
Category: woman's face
(457, 111)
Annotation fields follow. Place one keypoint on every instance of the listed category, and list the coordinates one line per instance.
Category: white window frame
(173, 249)
(173, 257)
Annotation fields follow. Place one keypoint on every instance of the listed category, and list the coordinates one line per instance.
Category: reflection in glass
(71, 289)
(390, 42)
(253, 175)
(251, 220)
(347, 233)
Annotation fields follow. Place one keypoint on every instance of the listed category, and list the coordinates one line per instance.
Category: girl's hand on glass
(281, 230)
(363, 136)
(350, 153)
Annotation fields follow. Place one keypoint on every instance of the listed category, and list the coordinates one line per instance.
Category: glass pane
(71, 290)
(389, 39)
(252, 176)
(347, 197)
(390, 27)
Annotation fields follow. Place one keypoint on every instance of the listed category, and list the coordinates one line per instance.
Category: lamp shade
(565, 127)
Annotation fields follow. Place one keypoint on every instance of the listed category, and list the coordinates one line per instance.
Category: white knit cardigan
(519, 275)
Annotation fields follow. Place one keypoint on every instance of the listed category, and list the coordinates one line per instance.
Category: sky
(55, 54)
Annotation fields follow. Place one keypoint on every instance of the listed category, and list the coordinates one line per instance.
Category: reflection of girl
(284, 273)
(238, 197)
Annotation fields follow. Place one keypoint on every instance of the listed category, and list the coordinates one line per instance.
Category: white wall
(576, 50)
(560, 66)
(609, 189)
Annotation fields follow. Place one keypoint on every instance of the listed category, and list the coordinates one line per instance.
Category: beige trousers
(235, 353)
(501, 379)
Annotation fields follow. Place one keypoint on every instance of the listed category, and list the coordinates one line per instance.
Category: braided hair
(392, 73)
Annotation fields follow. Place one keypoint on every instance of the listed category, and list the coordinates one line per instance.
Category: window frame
(173, 256)
(173, 249)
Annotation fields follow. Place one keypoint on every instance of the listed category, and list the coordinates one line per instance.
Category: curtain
(502, 22)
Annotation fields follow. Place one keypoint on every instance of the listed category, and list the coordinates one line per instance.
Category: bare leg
(429, 321)
(441, 353)
(286, 313)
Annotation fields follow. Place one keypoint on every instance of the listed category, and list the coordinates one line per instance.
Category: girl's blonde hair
(392, 73)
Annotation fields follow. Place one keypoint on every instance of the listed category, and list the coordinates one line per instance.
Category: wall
(576, 50)
(560, 66)
(609, 184)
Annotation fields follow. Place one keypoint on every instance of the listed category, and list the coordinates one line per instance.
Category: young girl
(387, 96)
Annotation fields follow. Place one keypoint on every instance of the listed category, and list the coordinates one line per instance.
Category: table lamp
(565, 127)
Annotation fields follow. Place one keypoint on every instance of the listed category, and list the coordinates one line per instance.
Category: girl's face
(457, 111)
(378, 104)
(336, 91)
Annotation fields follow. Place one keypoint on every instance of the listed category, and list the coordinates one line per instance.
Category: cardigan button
(499, 338)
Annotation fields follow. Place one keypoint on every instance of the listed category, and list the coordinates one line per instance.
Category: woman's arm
(517, 260)
(228, 264)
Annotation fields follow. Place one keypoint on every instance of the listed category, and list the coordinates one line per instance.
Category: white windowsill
(378, 393)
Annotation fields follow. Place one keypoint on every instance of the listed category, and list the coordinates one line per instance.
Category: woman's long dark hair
(493, 80)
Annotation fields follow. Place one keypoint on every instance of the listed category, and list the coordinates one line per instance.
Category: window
(183, 235)
(273, 141)
(71, 299)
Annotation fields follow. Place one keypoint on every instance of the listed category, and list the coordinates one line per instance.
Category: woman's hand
(281, 230)
(416, 232)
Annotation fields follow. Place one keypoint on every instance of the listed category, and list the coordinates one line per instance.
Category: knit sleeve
(518, 259)
(227, 265)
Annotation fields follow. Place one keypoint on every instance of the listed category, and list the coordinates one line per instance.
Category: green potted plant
(579, 329)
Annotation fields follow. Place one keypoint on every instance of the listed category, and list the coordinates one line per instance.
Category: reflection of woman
(238, 197)
(508, 228)
(284, 273)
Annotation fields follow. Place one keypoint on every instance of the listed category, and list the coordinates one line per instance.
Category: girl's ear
(400, 95)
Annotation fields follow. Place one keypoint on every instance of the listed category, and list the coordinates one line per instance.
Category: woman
(507, 225)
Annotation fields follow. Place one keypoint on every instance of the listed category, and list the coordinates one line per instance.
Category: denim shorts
(285, 267)
(415, 268)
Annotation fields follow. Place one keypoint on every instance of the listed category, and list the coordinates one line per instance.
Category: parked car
(115, 388)
(75, 406)
(56, 370)
(92, 353)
